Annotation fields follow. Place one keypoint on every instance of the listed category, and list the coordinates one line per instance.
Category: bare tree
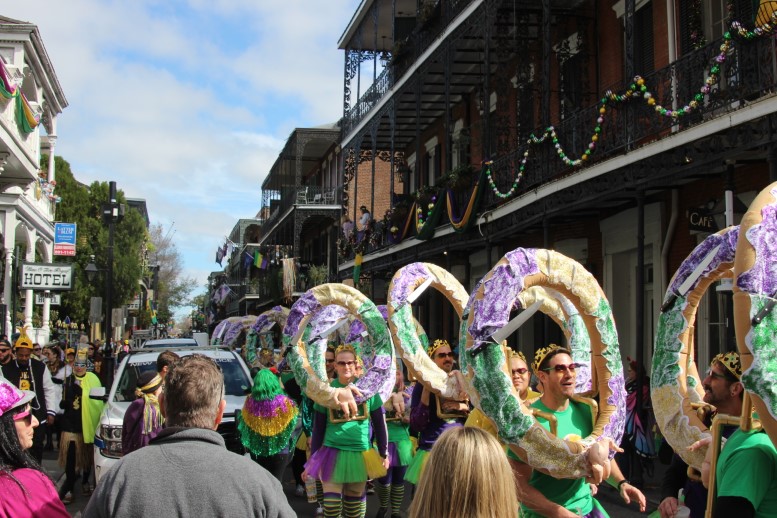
(173, 288)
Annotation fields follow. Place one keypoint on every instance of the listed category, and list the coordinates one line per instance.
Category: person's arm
(419, 409)
(624, 487)
(674, 479)
(319, 429)
(378, 419)
(728, 506)
(531, 498)
(50, 394)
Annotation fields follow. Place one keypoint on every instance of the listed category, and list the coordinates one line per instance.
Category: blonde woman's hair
(467, 474)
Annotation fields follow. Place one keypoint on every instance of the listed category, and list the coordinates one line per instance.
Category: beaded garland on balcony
(25, 118)
(639, 90)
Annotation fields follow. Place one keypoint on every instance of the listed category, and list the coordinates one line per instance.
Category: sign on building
(55, 299)
(65, 239)
(135, 304)
(46, 276)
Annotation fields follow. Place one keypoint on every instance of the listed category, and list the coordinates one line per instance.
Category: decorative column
(9, 240)
(29, 295)
(45, 331)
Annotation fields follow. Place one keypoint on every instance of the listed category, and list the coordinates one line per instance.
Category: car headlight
(111, 441)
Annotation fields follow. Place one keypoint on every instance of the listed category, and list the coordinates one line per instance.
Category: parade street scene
(388, 259)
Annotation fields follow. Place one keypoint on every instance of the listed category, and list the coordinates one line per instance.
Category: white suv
(107, 440)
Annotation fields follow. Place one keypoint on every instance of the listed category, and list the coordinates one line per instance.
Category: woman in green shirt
(341, 454)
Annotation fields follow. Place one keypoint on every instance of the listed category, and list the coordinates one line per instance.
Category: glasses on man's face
(346, 364)
(444, 355)
(38, 349)
(520, 371)
(712, 374)
(329, 361)
(5, 350)
(561, 368)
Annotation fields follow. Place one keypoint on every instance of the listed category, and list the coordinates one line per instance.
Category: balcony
(310, 197)
(748, 75)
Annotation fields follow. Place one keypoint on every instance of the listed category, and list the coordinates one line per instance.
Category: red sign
(64, 249)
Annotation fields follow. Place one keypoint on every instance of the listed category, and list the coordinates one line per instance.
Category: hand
(344, 396)
(705, 466)
(668, 507)
(461, 384)
(594, 489)
(386, 462)
(701, 443)
(629, 493)
(50, 420)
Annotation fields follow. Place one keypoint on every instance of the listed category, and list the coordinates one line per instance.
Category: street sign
(55, 299)
(134, 305)
(65, 239)
(46, 276)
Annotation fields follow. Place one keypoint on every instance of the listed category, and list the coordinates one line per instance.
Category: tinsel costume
(268, 418)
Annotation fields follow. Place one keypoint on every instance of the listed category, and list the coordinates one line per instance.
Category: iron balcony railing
(748, 73)
(303, 197)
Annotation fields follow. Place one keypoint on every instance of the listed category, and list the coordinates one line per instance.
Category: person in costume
(79, 421)
(143, 419)
(431, 415)
(521, 376)
(29, 373)
(467, 475)
(541, 494)
(724, 391)
(25, 488)
(638, 443)
(391, 488)
(341, 454)
(267, 422)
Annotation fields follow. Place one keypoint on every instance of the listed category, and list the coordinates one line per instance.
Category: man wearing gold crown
(724, 391)
(541, 494)
(431, 415)
(29, 373)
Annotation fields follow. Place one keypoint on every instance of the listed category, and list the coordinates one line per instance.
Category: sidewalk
(57, 474)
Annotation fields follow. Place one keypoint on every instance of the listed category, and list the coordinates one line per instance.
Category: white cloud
(189, 118)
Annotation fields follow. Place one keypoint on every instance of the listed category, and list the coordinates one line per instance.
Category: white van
(107, 440)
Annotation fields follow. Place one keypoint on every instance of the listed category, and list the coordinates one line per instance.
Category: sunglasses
(25, 416)
(444, 355)
(330, 361)
(521, 371)
(36, 349)
(561, 368)
(712, 374)
(346, 364)
(4, 350)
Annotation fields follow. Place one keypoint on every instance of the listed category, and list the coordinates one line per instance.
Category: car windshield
(236, 382)
(182, 343)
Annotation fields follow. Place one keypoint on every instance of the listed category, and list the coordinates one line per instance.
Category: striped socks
(332, 504)
(397, 496)
(383, 492)
(354, 506)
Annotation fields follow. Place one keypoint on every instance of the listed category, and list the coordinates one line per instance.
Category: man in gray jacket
(187, 470)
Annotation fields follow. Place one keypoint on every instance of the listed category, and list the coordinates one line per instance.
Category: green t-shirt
(747, 468)
(397, 431)
(350, 435)
(573, 494)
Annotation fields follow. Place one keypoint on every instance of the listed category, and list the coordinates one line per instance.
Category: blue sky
(188, 103)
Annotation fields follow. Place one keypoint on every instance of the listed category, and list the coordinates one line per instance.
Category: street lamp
(91, 270)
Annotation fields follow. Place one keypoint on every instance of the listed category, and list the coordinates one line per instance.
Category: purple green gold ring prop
(378, 379)
(277, 316)
(561, 310)
(485, 367)
(410, 346)
(674, 376)
(755, 295)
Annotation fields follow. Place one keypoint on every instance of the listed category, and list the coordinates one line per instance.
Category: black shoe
(383, 512)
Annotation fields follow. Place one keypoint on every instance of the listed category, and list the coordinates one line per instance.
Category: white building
(31, 98)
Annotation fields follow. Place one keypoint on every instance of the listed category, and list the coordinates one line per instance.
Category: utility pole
(110, 216)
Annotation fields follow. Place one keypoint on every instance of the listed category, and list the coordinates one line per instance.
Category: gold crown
(540, 355)
(436, 345)
(346, 348)
(730, 361)
(517, 354)
(23, 342)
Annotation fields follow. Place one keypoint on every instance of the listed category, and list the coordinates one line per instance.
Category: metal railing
(303, 197)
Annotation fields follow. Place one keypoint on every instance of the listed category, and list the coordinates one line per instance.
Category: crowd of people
(176, 463)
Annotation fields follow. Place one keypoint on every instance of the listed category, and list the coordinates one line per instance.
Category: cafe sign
(701, 220)
(46, 276)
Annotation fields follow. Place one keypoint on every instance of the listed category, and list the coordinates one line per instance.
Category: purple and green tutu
(416, 467)
(400, 453)
(345, 467)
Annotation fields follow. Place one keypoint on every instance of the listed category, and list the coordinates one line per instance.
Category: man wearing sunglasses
(541, 494)
(6, 354)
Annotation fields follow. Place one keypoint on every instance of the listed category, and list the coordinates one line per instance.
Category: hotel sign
(46, 276)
